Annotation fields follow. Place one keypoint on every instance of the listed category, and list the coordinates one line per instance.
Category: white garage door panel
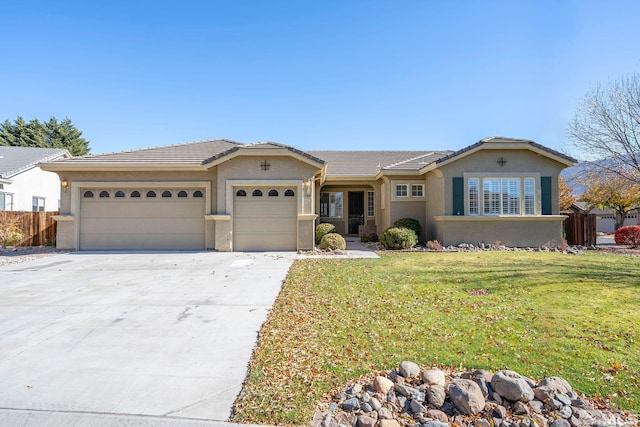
(142, 224)
(137, 209)
(265, 223)
(139, 242)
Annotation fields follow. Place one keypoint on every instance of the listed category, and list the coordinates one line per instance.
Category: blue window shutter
(458, 195)
(545, 194)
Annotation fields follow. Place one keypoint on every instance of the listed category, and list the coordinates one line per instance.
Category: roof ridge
(166, 146)
(52, 155)
(429, 153)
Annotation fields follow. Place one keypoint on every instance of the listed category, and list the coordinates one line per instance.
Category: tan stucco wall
(435, 202)
(510, 231)
(248, 168)
(519, 162)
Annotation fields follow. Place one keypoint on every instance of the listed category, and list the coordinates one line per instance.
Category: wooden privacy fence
(38, 228)
(580, 229)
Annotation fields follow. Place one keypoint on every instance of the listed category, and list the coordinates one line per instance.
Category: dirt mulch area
(620, 250)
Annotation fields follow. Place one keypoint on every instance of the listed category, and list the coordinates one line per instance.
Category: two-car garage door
(142, 219)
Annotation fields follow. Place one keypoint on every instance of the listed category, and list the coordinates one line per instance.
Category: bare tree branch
(606, 128)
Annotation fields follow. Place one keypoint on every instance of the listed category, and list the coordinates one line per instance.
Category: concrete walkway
(131, 338)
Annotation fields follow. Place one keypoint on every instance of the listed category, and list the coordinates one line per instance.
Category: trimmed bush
(398, 238)
(411, 224)
(333, 241)
(629, 235)
(369, 237)
(322, 229)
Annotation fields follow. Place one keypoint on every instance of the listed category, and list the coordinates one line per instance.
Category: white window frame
(402, 191)
(414, 188)
(473, 196)
(8, 204)
(371, 204)
(494, 195)
(529, 196)
(35, 204)
(331, 204)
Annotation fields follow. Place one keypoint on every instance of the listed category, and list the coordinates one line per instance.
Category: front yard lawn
(540, 314)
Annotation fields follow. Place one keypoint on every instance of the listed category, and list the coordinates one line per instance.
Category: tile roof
(359, 163)
(14, 160)
(188, 153)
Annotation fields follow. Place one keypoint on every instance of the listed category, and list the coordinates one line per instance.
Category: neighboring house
(605, 218)
(230, 196)
(24, 186)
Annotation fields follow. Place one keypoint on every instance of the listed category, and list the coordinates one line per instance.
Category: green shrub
(333, 241)
(369, 237)
(411, 224)
(398, 238)
(322, 229)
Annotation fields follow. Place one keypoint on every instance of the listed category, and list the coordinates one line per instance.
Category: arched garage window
(88, 194)
(197, 193)
(135, 194)
(257, 193)
(182, 193)
(273, 193)
(104, 194)
(166, 194)
(151, 194)
(241, 193)
(289, 193)
(119, 193)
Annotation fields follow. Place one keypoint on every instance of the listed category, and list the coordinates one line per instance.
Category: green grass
(542, 314)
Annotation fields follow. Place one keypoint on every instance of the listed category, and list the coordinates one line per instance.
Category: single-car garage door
(265, 219)
(142, 219)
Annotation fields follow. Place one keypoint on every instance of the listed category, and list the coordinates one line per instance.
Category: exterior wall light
(64, 183)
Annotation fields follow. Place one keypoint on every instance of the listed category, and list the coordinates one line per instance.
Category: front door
(356, 210)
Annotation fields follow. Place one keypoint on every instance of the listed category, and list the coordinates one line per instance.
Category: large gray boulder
(466, 396)
(512, 386)
(558, 384)
(433, 377)
(408, 369)
(436, 395)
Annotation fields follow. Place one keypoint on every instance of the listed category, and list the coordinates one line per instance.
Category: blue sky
(328, 74)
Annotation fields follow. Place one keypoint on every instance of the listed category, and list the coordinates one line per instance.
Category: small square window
(402, 190)
(37, 204)
(417, 190)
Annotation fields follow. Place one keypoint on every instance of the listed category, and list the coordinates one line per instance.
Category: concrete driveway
(160, 338)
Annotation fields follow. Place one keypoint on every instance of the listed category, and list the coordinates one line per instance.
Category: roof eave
(261, 152)
(330, 178)
(107, 167)
(499, 145)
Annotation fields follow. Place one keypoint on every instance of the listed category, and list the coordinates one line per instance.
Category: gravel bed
(10, 256)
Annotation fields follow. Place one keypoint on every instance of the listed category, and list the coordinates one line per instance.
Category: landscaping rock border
(414, 397)
(485, 247)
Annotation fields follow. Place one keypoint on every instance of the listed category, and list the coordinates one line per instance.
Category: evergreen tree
(52, 134)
